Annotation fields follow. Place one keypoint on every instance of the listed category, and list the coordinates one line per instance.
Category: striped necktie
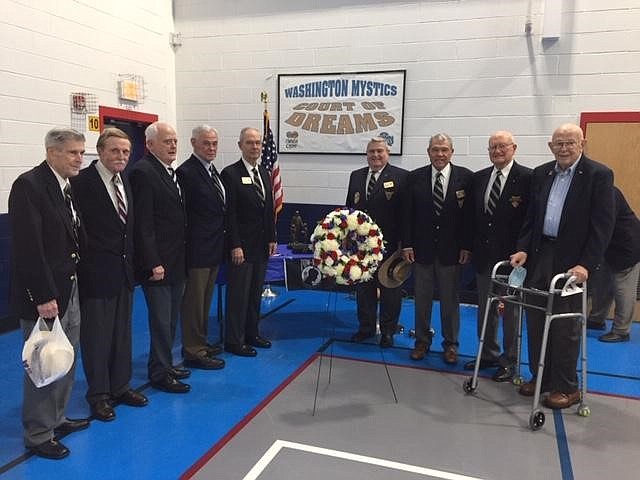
(371, 185)
(121, 205)
(494, 194)
(174, 177)
(438, 194)
(75, 221)
(216, 182)
(257, 184)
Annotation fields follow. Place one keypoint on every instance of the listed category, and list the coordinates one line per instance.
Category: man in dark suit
(159, 233)
(498, 205)
(567, 229)
(45, 232)
(618, 279)
(432, 241)
(375, 189)
(204, 196)
(251, 239)
(106, 270)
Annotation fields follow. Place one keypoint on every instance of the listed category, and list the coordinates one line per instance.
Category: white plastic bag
(47, 355)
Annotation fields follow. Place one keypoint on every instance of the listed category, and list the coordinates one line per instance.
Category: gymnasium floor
(255, 419)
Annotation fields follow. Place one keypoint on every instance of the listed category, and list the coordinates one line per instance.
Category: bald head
(502, 148)
(567, 144)
(162, 141)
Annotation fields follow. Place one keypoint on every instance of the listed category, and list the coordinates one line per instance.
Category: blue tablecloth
(276, 265)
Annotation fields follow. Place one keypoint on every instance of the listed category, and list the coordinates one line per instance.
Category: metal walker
(516, 296)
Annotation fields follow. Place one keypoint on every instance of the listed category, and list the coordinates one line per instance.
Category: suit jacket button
(72, 277)
(73, 255)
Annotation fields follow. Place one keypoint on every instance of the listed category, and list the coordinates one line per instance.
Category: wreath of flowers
(347, 246)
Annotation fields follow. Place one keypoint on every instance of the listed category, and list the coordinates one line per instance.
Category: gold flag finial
(264, 99)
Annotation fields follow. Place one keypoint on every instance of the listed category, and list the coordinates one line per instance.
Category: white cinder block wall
(470, 70)
(50, 48)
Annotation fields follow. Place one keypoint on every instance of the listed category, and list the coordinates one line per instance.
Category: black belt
(546, 238)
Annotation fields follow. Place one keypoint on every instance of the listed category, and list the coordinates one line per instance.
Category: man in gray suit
(45, 231)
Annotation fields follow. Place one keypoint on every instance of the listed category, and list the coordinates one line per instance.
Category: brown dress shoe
(450, 355)
(557, 400)
(419, 351)
(528, 389)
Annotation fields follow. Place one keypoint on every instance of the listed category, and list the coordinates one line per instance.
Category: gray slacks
(447, 278)
(196, 304)
(43, 408)
(163, 303)
(491, 349)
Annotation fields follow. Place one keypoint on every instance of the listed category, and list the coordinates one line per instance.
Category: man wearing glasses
(499, 201)
(567, 229)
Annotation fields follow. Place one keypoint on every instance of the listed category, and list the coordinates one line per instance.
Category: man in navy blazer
(382, 202)
(251, 240)
(106, 270)
(160, 252)
(205, 200)
(498, 205)
(567, 229)
(618, 278)
(433, 241)
(45, 233)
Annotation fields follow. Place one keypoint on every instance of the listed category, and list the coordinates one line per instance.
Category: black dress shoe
(70, 426)
(503, 374)
(132, 398)
(241, 350)
(259, 342)
(52, 449)
(103, 411)
(170, 384)
(213, 350)
(179, 373)
(360, 337)
(596, 325)
(205, 363)
(386, 340)
(484, 364)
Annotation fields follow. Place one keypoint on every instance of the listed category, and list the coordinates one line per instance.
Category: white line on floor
(280, 444)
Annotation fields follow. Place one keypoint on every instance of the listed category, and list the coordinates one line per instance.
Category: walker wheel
(467, 386)
(584, 411)
(517, 381)
(536, 420)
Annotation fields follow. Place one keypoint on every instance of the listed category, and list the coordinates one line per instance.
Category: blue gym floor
(176, 433)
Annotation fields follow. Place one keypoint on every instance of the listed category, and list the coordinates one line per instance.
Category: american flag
(270, 162)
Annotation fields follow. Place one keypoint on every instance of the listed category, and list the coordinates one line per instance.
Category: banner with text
(340, 113)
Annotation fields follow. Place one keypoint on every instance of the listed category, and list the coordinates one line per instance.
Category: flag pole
(267, 293)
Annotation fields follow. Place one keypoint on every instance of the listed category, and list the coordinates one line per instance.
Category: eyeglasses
(560, 144)
(500, 146)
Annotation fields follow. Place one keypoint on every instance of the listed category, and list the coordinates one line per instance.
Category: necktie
(494, 194)
(174, 177)
(438, 194)
(121, 207)
(257, 184)
(371, 184)
(68, 200)
(216, 182)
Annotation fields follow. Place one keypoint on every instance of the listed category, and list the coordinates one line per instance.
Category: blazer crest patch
(515, 201)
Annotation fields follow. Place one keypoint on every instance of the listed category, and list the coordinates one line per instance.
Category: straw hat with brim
(50, 365)
(394, 271)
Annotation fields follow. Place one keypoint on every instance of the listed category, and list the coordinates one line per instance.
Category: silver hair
(151, 131)
(441, 137)
(245, 130)
(379, 140)
(56, 137)
(200, 129)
